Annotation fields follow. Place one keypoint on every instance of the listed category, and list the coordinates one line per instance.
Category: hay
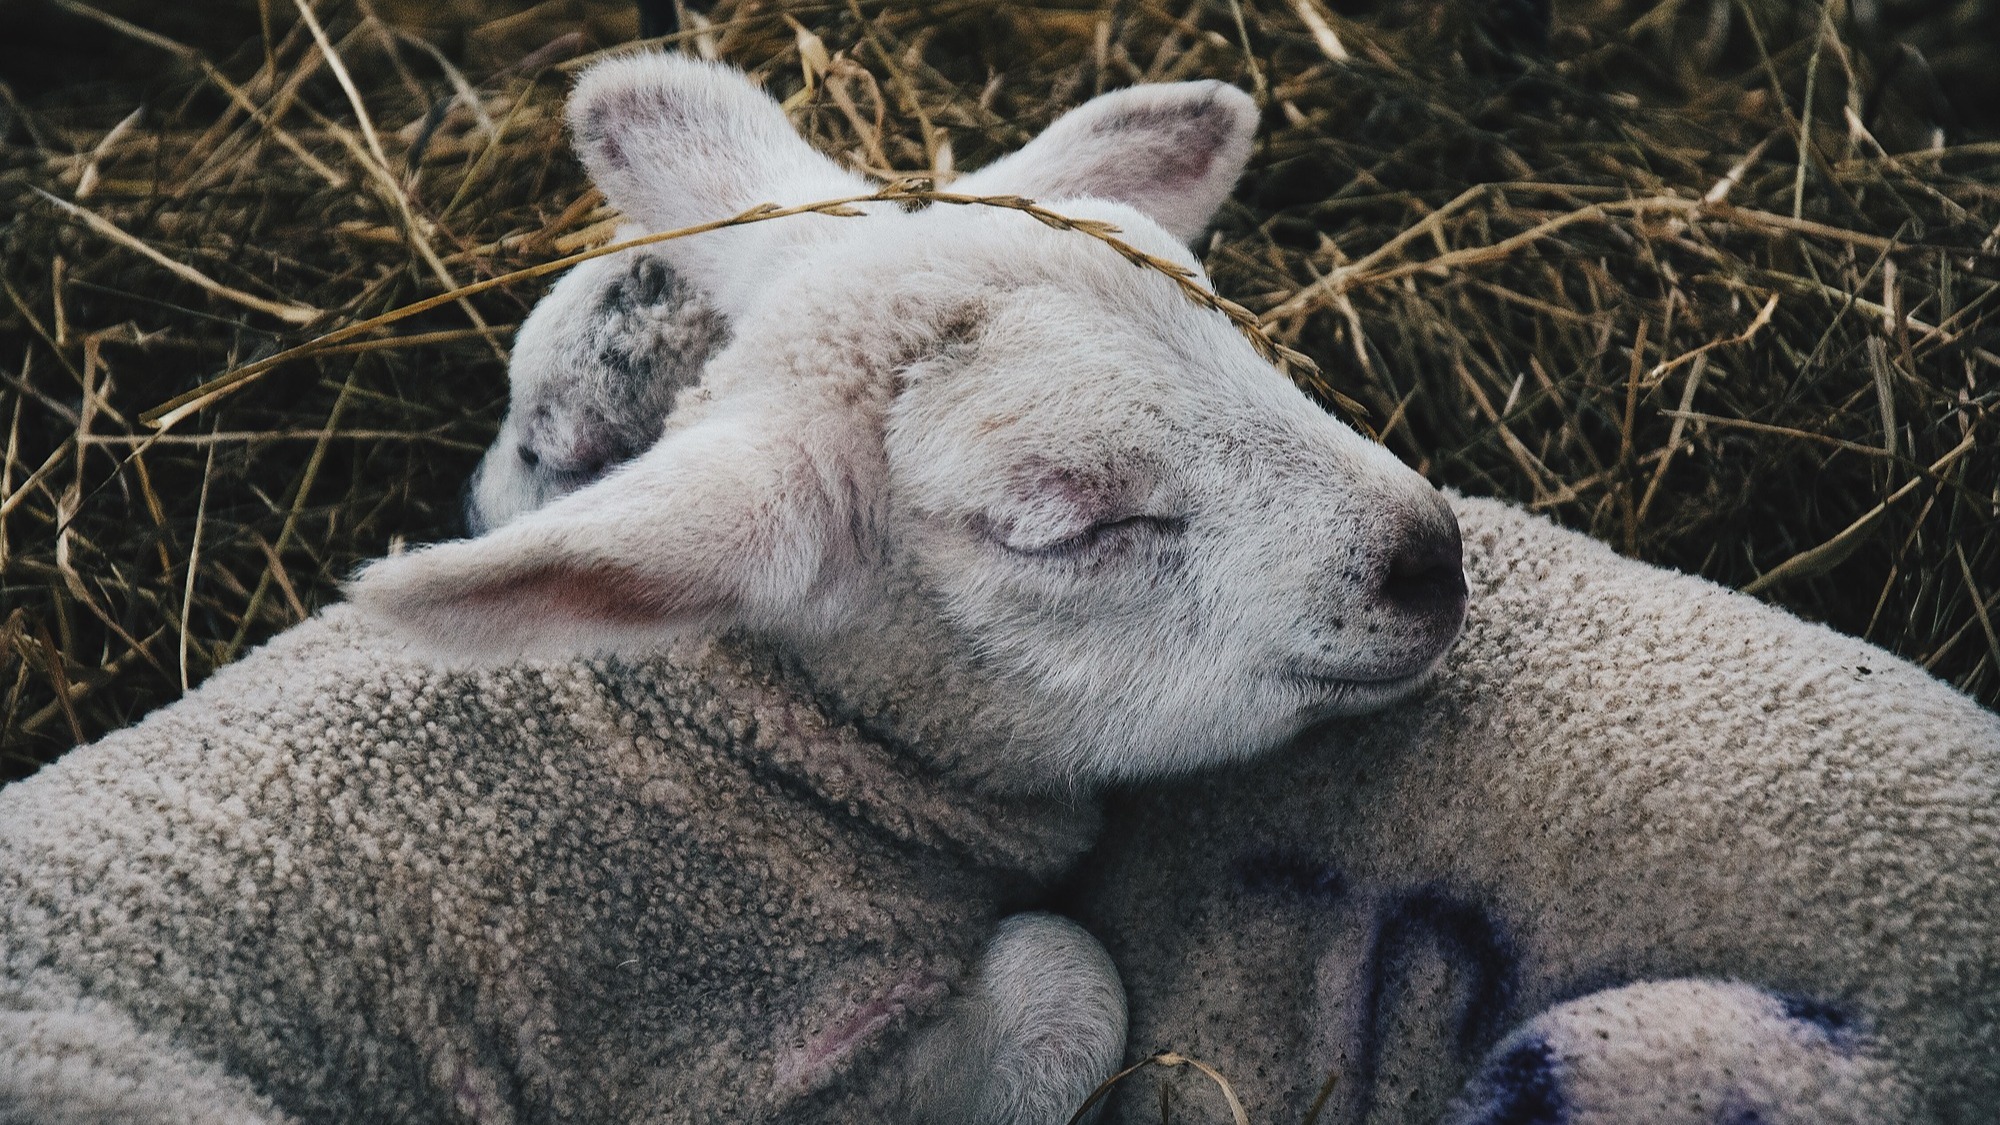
(1608, 286)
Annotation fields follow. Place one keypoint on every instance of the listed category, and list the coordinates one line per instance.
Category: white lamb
(972, 517)
(1649, 851)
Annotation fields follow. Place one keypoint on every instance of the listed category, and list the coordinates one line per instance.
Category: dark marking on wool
(625, 367)
(617, 298)
(1468, 939)
(1602, 978)
(1743, 1117)
(1833, 1022)
(574, 449)
(646, 284)
(1522, 1087)
(1290, 873)
(650, 282)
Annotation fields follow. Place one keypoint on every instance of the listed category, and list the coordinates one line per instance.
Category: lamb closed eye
(1100, 534)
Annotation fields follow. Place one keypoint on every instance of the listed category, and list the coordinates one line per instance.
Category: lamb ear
(674, 141)
(1172, 151)
(731, 521)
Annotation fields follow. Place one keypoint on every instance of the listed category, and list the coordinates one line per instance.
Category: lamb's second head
(596, 368)
(983, 479)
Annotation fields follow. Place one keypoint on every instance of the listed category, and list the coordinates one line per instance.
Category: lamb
(1648, 850)
(596, 368)
(700, 793)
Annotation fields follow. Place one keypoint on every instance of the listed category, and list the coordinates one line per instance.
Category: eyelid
(1089, 537)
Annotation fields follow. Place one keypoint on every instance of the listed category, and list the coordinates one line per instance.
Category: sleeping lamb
(1649, 851)
(972, 517)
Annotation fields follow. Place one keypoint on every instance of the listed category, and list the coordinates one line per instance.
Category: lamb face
(1157, 546)
(988, 481)
(596, 368)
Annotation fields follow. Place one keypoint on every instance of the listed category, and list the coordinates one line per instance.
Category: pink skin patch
(602, 592)
(1054, 504)
(1188, 138)
(805, 1066)
(467, 1094)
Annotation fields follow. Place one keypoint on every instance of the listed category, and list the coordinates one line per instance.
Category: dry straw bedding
(1662, 282)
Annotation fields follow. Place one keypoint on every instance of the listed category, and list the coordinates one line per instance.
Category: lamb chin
(1332, 697)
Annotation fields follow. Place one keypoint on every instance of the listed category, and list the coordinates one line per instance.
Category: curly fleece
(337, 885)
(1623, 775)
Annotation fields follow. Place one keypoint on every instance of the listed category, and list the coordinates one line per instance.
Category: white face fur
(985, 480)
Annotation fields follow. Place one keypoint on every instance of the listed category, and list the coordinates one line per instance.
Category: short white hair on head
(604, 357)
(597, 367)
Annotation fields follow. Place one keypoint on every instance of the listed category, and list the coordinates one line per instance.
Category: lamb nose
(1427, 574)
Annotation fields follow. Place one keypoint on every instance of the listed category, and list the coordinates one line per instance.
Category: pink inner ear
(628, 112)
(1182, 144)
(601, 592)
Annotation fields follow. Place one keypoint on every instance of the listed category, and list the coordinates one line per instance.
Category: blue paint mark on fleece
(1833, 1022)
(1523, 1088)
(1290, 873)
(1469, 940)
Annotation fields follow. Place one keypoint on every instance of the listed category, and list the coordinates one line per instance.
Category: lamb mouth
(1331, 693)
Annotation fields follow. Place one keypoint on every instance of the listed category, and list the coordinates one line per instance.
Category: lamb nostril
(1427, 574)
(529, 457)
